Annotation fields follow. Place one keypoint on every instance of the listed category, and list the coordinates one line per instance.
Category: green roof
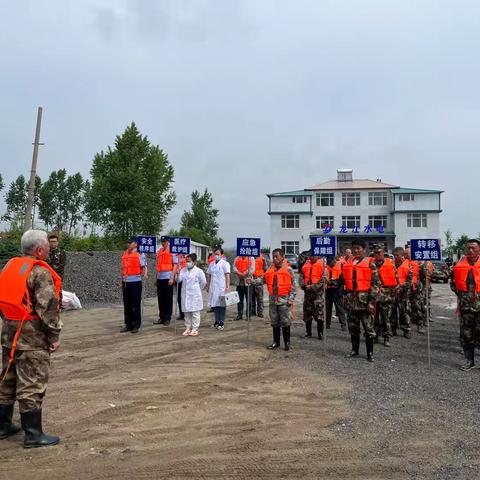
(414, 190)
(291, 194)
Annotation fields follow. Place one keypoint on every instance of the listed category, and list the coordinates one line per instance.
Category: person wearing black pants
(334, 297)
(166, 269)
(133, 266)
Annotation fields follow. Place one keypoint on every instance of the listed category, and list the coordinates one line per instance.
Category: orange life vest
(312, 272)
(164, 261)
(242, 263)
(211, 259)
(387, 274)
(335, 271)
(15, 301)
(460, 274)
(182, 260)
(416, 270)
(259, 271)
(403, 270)
(283, 280)
(363, 274)
(131, 264)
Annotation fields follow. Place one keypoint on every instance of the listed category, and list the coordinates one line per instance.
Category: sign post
(178, 246)
(146, 244)
(424, 250)
(324, 246)
(248, 247)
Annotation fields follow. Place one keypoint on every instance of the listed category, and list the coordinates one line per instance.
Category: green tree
(1, 183)
(460, 244)
(449, 242)
(200, 223)
(131, 186)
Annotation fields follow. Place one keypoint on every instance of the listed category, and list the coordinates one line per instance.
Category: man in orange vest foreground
(386, 296)
(258, 280)
(244, 267)
(133, 267)
(282, 289)
(334, 293)
(29, 302)
(401, 314)
(360, 276)
(165, 278)
(465, 283)
(312, 281)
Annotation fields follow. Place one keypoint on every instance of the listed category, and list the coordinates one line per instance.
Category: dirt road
(156, 405)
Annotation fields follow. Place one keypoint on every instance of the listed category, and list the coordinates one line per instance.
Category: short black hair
(399, 250)
(219, 249)
(470, 240)
(192, 257)
(359, 242)
(55, 235)
(279, 250)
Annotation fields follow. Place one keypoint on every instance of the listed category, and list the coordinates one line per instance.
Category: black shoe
(386, 342)
(328, 326)
(34, 436)
(469, 359)
(407, 334)
(343, 328)
(135, 330)
(421, 330)
(353, 354)
(7, 428)
(286, 338)
(307, 335)
(239, 317)
(158, 322)
(273, 346)
(260, 315)
(166, 323)
(125, 329)
(394, 333)
(320, 336)
(287, 346)
(370, 357)
(369, 345)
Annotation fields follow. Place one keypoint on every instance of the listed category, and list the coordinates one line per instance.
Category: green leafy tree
(449, 242)
(16, 200)
(200, 223)
(1, 183)
(131, 186)
(460, 244)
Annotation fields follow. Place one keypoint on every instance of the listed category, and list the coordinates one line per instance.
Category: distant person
(166, 269)
(193, 282)
(334, 294)
(257, 285)
(133, 268)
(465, 283)
(218, 280)
(181, 263)
(401, 314)
(282, 289)
(57, 258)
(29, 301)
(244, 268)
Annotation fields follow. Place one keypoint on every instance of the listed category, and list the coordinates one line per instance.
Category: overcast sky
(249, 97)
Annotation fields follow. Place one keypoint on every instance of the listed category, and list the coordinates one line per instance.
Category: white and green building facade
(371, 209)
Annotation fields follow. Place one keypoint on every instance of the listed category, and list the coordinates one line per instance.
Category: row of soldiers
(373, 292)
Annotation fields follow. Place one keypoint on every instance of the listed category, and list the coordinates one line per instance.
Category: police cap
(132, 239)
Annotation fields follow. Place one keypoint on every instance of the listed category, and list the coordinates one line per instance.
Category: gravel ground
(399, 395)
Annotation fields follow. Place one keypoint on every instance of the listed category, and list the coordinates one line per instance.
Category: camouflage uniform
(417, 299)
(402, 311)
(384, 307)
(27, 378)
(313, 305)
(257, 300)
(57, 259)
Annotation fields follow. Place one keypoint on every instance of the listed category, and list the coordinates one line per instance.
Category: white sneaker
(220, 327)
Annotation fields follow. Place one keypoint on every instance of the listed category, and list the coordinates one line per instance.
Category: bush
(9, 246)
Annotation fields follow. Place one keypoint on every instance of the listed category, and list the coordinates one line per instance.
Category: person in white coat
(193, 282)
(218, 278)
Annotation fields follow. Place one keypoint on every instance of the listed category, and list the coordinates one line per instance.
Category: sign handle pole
(175, 286)
(324, 306)
(248, 311)
(427, 303)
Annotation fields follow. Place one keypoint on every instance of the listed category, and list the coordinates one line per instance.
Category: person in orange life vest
(282, 289)
(181, 263)
(312, 280)
(29, 301)
(360, 276)
(417, 293)
(401, 311)
(334, 293)
(257, 285)
(133, 267)
(166, 269)
(465, 283)
(244, 268)
(387, 295)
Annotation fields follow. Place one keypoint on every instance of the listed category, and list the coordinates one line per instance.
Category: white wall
(285, 204)
(279, 234)
(404, 233)
(423, 201)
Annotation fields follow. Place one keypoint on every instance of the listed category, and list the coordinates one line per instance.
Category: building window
(290, 221)
(351, 199)
(290, 248)
(299, 199)
(322, 222)
(378, 221)
(417, 220)
(406, 197)
(325, 199)
(351, 221)
(377, 198)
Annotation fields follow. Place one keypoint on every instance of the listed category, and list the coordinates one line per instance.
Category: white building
(375, 211)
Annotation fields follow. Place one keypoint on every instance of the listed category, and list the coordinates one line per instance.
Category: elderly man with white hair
(29, 306)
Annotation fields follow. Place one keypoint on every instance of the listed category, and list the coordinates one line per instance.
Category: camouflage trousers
(313, 305)
(470, 328)
(257, 300)
(280, 315)
(383, 317)
(403, 313)
(26, 380)
(364, 318)
(417, 308)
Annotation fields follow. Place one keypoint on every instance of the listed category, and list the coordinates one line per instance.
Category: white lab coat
(218, 282)
(193, 282)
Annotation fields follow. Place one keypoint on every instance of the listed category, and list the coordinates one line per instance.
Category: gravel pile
(95, 277)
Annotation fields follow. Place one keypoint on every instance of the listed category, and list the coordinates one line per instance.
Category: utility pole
(33, 174)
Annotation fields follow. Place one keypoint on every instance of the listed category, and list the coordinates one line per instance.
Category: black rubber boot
(286, 338)
(469, 358)
(276, 338)
(308, 329)
(369, 345)
(34, 436)
(7, 428)
(320, 330)
(386, 342)
(355, 346)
